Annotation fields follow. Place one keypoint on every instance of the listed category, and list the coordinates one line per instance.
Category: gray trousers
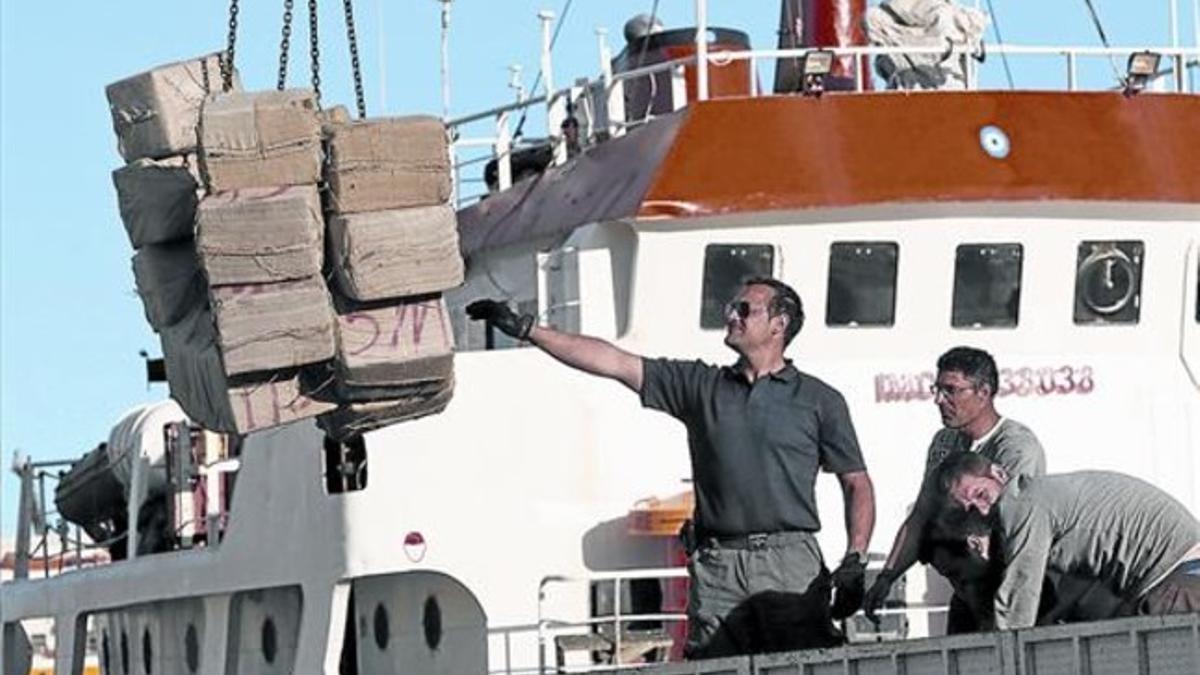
(762, 594)
(1178, 593)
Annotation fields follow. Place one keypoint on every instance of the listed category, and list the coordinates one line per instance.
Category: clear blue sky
(71, 324)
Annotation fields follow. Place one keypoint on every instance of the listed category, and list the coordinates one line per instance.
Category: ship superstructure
(1059, 230)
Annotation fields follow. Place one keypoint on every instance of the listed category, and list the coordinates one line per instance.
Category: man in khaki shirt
(1137, 541)
(964, 392)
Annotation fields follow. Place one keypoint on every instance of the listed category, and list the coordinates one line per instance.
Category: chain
(284, 43)
(352, 38)
(227, 62)
(314, 50)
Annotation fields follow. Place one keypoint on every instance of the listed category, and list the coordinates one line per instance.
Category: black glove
(849, 584)
(501, 316)
(875, 597)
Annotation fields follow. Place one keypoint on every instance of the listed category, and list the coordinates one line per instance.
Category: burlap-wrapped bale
(397, 253)
(260, 139)
(261, 235)
(393, 344)
(155, 113)
(157, 198)
(169, 282)
(391, 163)
(352, 419)
(247, 403)
(273, 326)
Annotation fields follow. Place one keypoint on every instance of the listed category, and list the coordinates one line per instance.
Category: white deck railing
(599, 103)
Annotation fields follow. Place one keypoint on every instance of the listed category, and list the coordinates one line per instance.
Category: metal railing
(601, 101)
(548, 627)
(34, 517)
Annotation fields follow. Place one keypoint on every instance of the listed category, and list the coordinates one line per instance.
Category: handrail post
(1071, 65)
(678, 87)
(24, 516)
(503, 151)
(701, 50)
(617, 620)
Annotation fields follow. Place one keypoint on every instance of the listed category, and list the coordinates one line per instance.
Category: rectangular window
(862, 284)
(726, 266)
(1108, 282)
(987, 286)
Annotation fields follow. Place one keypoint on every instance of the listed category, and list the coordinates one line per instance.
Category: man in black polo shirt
(757, 432)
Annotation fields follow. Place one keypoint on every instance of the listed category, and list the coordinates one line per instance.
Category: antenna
(445, 58)
(379, 36)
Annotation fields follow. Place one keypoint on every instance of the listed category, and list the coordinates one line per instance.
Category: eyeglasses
(742, 308)
(947, 390)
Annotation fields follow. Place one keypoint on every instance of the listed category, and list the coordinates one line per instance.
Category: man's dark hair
(976, 365)
(958, 465)
(785, 301)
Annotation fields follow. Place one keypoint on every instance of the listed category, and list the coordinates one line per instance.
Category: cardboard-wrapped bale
(390, 163)
(261, 235)
(260, 139)
(158, 198)
(391, 254)
(169, 282)
(197, 379)
(155, 113)
(352, 419)
(394, 344)
(273, 326)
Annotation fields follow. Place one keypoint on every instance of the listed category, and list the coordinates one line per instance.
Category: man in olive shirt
(758, 431)
(965, 391)
(1143, 545)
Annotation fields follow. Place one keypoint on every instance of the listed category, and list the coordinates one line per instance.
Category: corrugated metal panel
(981, 654)
(1153, 645)
(1158, 645)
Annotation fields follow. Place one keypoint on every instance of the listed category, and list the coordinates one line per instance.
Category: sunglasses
(742, 308)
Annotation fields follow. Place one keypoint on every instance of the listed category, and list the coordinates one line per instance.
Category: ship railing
(38, 525)
(606, 633)
(598, 105)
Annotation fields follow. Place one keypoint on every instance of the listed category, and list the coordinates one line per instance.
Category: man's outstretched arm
(589, 354)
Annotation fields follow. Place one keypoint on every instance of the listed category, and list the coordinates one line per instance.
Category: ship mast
(820, 23)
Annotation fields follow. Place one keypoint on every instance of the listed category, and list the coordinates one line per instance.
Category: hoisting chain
(314, 50)
(227, 62)
(284, 43)
(352, 38)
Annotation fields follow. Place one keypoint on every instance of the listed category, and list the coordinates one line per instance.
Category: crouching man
(1136, 540)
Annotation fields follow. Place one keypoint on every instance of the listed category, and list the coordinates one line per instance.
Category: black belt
(755, 540)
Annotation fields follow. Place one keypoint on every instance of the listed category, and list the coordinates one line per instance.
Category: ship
(531, 526)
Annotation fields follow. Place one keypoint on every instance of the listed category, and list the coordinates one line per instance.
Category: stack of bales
(393, 248)
(220, 198)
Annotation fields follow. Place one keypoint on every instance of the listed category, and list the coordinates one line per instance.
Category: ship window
(726, 266)
(862, 284)
(987, 286)
(345, 465)
(1108, 282)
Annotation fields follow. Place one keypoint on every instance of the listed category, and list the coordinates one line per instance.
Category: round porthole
(191, 649)
(147, 652)
(994, 142)
(269, 640)
(432, 622)
(124, 652)
(382, 631)
(1107, 281)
